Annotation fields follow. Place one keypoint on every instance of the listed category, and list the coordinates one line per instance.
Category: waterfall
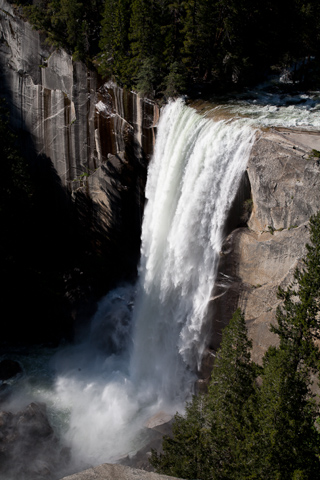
(192, 180)
(146, 340)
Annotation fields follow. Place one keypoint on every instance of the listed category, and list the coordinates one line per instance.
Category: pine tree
(114, 41)
(176, 80)
(146, 44)
(185, 454)
(70, 24)
(208, 441)
(231, 387)
(284, 443)
(298, 321)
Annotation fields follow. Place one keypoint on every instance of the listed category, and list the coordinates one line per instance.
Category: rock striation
(94, 134)
(88, 144)
(59, 105)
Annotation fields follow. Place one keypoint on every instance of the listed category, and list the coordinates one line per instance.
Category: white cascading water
(148, 358)
(146, 340)
(192, 181)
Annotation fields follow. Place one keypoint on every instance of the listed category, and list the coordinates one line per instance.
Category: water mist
(145, 343)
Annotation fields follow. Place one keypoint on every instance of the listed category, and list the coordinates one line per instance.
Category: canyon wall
(88, 144)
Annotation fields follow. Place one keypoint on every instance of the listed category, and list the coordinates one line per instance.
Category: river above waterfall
(267, 106)
(142, 350)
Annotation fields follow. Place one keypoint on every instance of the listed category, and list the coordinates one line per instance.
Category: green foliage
(166, 46)
(175, 82)
(72, 24)
(147, 77)
(297, 318)
(208, 441)
(113, 59)
(314, 154)
(246, 210)
(231, 387)
(185, 454)
(282, 439)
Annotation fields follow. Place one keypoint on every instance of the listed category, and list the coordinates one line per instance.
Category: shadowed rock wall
(88, 145)
(56, 103)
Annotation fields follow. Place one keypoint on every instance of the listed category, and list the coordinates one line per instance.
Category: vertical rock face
(55, 101)
(255, 260)
(88, 144)
(51, 98)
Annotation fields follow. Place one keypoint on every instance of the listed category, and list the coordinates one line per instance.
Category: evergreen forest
(168, 47)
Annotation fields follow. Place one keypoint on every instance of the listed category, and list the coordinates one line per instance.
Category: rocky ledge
(116, 472)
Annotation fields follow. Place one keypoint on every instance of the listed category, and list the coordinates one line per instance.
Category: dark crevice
(226, 291)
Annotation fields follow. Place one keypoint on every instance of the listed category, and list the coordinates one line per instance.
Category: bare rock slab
(109, 471)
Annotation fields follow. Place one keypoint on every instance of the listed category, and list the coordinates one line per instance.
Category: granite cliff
(88, 144)
(284, 180)
(62, 106)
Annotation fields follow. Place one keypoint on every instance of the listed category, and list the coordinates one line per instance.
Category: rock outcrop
(63, 111)
(116, 472)
(255, 260)
(58, 104)
(94, 135)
